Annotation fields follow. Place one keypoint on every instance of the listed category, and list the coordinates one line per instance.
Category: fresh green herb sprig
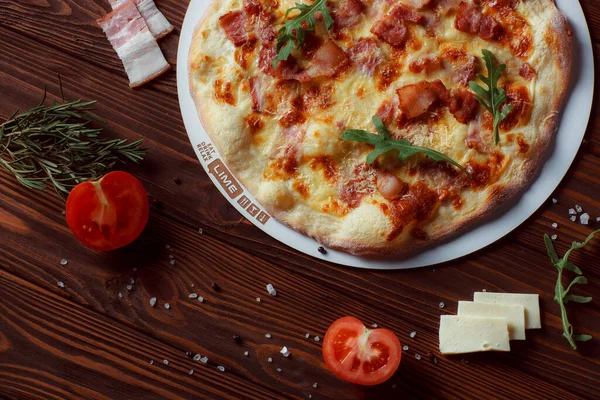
(384, 142)
(55, 144)
(493, 97)
(293, 32)
(561, 294)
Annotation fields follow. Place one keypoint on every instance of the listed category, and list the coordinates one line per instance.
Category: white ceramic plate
(503, 221)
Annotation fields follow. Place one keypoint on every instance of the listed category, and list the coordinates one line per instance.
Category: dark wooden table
(86, 341)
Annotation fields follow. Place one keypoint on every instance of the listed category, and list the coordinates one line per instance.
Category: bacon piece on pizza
(327, 61)
(392, 27)
(158, 25)
(347, 14)
(418, 98)
(136, 47)
(366, 55)
(463, 106)
(234, 25)
(470, 19)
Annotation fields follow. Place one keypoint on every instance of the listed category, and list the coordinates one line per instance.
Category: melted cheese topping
(290, 156)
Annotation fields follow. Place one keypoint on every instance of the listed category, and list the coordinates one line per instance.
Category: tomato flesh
(360, 355)
(108, 213)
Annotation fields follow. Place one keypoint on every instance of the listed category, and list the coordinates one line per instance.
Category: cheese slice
(459, 334)
(531, 302)
(514, 314)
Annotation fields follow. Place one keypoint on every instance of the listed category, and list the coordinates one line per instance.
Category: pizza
(379, 127)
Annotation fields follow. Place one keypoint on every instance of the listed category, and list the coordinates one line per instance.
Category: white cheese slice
(514, 314)
(460, 334)
(531, 302)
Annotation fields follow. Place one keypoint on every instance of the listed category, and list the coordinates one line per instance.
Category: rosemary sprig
(493, 97)
(291, 35)
(561, 294)
(55, 144)
(384, 142)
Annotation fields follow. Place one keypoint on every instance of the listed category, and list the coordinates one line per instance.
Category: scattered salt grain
(132, 281)
(572, 211)
(285, 352)
(151, 362)
(129, 287)
(61, 284)
(484, 290)
(258, 299)
(246, 353)
(573, 218)
(193, 295)
(153, 302)
(555, 225)
(167, 306)
(578, 208)
(598, 219)
(268, 335)
(584, 218)
(418, 356)
(413, 334)
(553, 237)
(307, 335)
(374, 326)
(271, 290)
(172, 262)
(278, 369)
(442, 304)
(171, 256)
(201, 299)
(554, 200)
(315, 384)
(200, 231)
(405, 348)
(204, 360)
(63, 212)
(192, 285)
(64, 261)
(166, 362)
(197, 357)
(120, 295)
(221, 368)
(269, 360)
(191, 371)
(317, 338)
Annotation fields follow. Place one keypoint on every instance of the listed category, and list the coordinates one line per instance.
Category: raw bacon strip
(418, 98)
(234, 24)
(470, 19)
(156, 21)
(136, 47)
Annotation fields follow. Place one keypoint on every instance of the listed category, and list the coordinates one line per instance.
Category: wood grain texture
(85, 341)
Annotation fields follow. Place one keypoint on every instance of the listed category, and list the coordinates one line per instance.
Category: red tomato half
(108, 213)
(360, 355)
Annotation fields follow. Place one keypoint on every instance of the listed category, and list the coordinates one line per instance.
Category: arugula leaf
(493, 97)
(384, 142)
(293, 32)
(561, 295)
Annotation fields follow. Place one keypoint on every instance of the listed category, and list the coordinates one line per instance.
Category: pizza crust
(361, 230)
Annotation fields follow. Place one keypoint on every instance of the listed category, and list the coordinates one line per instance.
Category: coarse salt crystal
(317, 338)
(167, 306)
(418, 356)
(120, 295)
(315, 384)
(221, 368)
(129, 287)
(192, 285)
(132, 281)
(166, 362)
(573, 218)
(584, 218)
(204, 360)
(374, 326)
(153, 302)
(555, 225)
(554, 200)
(554, 237)
(285, 352)
(201, 299)
(442, 304)
(151, 362)
(307, 335)
(278, 369)
(171, 256)
(246, 353)
(172, 262)
(191, 371)
(413, 334)
(64, 261)
(200, 231)
(405, 348)
(572, 211)
(258, 299)
(269, 360)
(268, 335)
(197, 357)
(484, 290)
(578, 208)
(61, 284)
(193, 295)
(271, 290)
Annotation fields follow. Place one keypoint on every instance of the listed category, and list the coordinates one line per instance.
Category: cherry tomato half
(108, 213)
(360, 355)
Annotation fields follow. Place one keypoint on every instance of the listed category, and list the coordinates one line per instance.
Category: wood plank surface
(94, 338)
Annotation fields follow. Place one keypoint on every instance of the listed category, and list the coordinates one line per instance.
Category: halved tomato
(360, 355)
(108, 213)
